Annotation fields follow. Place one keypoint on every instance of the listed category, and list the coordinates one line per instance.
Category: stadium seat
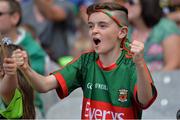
(168, 100)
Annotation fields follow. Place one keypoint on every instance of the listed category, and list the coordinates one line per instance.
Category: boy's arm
(38, 82)
(9, 82)
(144, 91)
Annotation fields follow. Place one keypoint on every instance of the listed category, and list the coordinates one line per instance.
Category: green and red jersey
(109, 92)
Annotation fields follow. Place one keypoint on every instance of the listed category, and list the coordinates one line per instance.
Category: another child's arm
(9, 81)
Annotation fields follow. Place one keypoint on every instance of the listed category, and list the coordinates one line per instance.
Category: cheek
(90, 33)
(4, 23)
(112, 35)
(110, 42)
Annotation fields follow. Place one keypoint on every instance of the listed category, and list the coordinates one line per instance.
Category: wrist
(10, 76)
(140, 63)
(25, 68)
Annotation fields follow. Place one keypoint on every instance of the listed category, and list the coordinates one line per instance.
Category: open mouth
(96, 41)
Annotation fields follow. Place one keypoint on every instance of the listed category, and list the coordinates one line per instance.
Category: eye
(90, 26)
(103, 25)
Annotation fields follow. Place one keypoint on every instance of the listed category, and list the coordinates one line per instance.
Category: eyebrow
(90, 23)
(101, 22)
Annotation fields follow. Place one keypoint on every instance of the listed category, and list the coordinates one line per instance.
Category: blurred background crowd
(59, 26)
(53, 32)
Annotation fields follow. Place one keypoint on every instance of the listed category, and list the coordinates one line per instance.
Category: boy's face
(103, 32)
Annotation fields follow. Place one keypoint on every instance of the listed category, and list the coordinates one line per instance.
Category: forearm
(7, 87)
(144, 91)
(39, 82)
(171, 60)
(50, 10)
(171, 66)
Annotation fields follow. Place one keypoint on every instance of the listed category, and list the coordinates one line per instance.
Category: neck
(111, 57)
(13, 34)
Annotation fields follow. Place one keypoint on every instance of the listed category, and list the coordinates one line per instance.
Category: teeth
(96, 41)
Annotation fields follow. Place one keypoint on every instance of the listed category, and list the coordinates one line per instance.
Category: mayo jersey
(108, 92)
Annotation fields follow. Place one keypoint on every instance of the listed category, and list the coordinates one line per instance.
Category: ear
(15, 18)
(123, 32)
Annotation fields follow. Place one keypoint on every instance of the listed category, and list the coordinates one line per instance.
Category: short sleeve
(69, 78)
(15, 109)
(134, 87)
(165, 28)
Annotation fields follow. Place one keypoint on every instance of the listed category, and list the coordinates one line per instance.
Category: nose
(95, 30)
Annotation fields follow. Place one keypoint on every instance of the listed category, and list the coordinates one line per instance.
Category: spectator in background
(160, 35)
(53, 21)
(9, 25)
(49, 64)
(172, 9)
(81, 42)
(23, 1)
(80, 3)
(81, 6)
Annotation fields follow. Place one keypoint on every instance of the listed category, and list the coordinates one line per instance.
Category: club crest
(123, 94)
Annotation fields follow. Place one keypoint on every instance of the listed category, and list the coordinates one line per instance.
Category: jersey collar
(112, 66)
(108, 68)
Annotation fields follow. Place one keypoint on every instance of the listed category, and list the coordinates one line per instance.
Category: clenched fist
(9, 66)
(21, 58)
(138, 49)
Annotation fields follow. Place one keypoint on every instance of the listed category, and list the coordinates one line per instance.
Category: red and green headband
(114, 18)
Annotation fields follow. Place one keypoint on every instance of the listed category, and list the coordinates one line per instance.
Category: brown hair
(24, 87)
(111, 6)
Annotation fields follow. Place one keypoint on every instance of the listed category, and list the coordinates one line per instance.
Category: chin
(98, 51)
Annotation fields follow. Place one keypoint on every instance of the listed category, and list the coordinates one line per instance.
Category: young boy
(115, 81)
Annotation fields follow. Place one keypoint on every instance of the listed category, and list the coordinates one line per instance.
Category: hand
(138, 49)
(21, 58)
(10, 66)
(40, 3)
(48, 1)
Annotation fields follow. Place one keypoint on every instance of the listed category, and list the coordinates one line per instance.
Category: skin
(9, 81)
(8, 22)
(175, 16)
(47, 7)
(104, 28)
(171, 61)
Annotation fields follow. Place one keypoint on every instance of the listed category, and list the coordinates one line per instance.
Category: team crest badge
(123, 94)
